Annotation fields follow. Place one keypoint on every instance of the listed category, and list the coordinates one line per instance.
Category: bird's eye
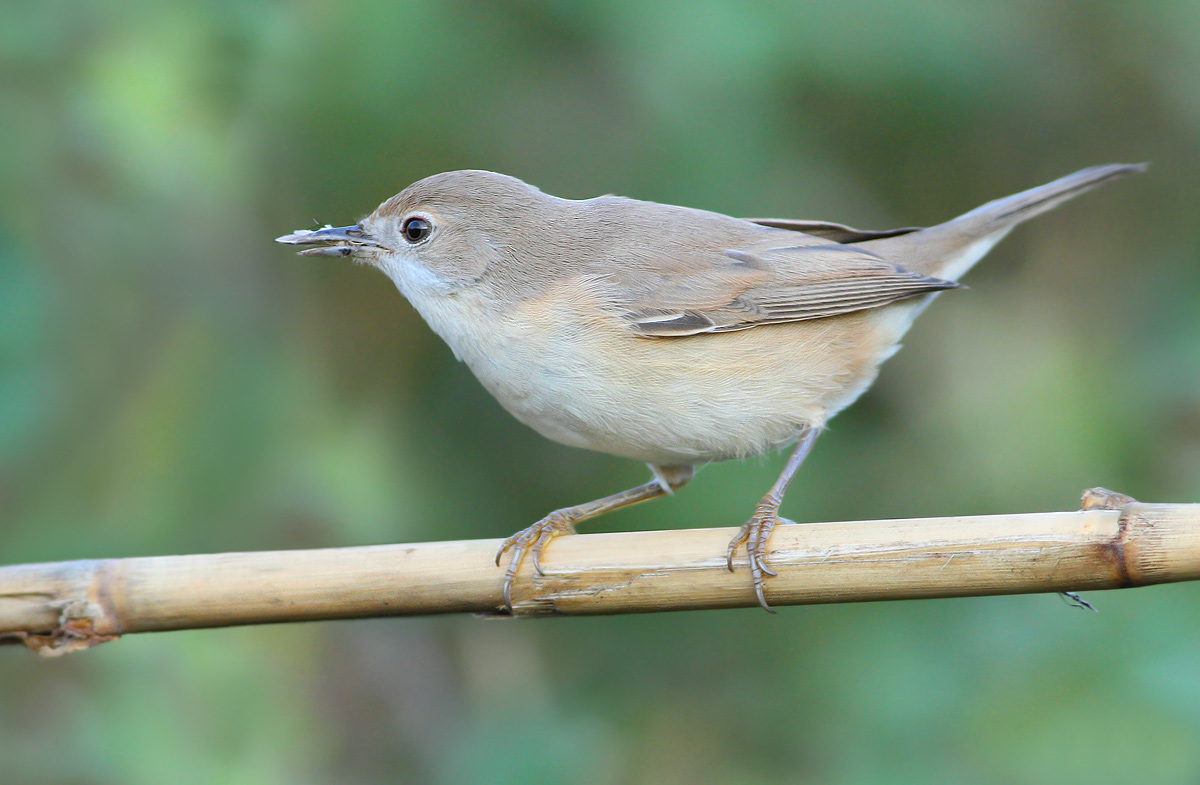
(416, 229)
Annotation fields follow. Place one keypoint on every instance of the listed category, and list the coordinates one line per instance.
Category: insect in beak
(330, 240)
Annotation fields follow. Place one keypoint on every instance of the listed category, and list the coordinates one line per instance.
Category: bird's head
(438, 235)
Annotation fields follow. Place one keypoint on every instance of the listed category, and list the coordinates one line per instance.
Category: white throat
(454, 312)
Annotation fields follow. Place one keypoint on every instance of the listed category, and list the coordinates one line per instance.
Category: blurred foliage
(172, 381)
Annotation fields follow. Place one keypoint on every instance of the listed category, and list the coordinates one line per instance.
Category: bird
(668, 335)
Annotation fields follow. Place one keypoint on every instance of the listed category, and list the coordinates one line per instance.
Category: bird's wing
(769, 283)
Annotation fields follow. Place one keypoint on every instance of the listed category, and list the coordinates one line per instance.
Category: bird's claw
(755, 533)
(531, 542)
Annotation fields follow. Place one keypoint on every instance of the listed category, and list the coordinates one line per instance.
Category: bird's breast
(566, 364)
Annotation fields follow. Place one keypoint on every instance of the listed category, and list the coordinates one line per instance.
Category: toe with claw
(531, 542)
(755, 533)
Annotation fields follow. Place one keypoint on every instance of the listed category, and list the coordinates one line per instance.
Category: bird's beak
(330, 240)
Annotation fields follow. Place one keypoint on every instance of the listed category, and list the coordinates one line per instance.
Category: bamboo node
(76, 631)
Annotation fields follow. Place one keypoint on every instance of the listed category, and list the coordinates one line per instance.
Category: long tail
(950, 249)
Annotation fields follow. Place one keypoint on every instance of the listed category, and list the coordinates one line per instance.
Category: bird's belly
(682, 400)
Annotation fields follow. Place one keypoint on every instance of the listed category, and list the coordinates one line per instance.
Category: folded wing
(773, 282)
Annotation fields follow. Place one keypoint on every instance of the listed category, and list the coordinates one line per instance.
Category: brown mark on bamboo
(86, 616)
(1120, 556)
(1114, 549)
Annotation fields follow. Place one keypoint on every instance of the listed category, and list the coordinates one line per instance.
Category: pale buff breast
(576, 374)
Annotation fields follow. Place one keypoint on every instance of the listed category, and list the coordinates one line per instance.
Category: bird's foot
(532, 541)
(755, 533)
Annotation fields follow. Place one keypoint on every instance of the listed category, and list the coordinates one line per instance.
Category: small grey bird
(665, 334)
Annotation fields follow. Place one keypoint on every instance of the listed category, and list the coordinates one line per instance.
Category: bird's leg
(532, 541)
(756, 531)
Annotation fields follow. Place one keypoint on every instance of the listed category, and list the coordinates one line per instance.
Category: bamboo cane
(65, 606)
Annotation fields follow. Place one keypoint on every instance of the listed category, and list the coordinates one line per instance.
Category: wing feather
(771, 283)
(839, 233)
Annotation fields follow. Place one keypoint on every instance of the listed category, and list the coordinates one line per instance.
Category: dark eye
(416, 229)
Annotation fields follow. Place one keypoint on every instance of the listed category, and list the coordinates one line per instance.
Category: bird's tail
(950, 249)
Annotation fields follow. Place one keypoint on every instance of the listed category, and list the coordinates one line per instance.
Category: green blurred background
(172, 381)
